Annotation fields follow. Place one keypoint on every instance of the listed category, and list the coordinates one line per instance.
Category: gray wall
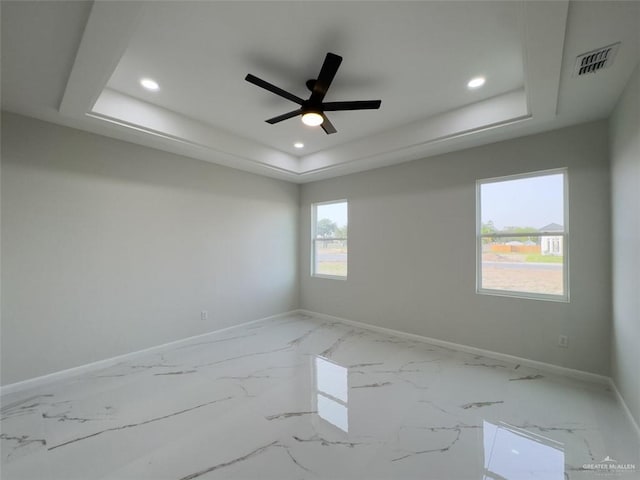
(412, 251)
(110, 247)
(625, 195)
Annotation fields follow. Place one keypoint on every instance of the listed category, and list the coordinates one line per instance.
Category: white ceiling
(79, 64)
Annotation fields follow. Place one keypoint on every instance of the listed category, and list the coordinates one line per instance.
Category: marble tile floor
(302, 398)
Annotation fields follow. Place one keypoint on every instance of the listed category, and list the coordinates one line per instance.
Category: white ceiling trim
(128, 111)
(544, 32)
(111, 25)
(105, 39)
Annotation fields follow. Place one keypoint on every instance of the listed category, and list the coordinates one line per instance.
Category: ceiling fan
(312, 109)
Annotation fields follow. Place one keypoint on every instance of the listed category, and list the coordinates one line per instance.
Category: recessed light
(150, 84)
(476, 82)
(298, 145)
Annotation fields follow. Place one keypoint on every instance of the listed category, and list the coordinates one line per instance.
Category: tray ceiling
(415, 56)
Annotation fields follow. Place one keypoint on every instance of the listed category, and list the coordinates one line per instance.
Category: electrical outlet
(204, 315)
(563, 341)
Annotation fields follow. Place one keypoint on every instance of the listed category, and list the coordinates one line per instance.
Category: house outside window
(552, 244)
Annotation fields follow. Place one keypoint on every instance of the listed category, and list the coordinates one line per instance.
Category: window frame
(314, 221)
(565, 297)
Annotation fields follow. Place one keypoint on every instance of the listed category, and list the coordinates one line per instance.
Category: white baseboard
(621, 401)
(108, 362)
(547, 367)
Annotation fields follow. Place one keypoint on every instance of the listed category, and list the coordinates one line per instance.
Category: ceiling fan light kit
(312, 119)
(312, 109)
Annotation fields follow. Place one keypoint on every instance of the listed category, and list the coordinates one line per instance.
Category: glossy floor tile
(302, 398)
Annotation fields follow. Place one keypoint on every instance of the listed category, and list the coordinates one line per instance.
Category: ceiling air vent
(595, 60)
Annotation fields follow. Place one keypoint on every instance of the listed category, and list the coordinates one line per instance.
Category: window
(522, 236)
(329, 239)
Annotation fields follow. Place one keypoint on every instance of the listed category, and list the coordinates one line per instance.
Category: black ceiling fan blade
(284, 116)
(357, 105)
(273, 89)
(327, 126)
(325, 77)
